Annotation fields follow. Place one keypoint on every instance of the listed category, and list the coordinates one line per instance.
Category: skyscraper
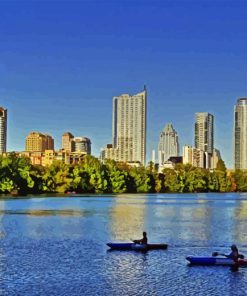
(204, 132)
(129, 127)
(36, 141)
(204, 136)
(240, 134)
(168, 144)
(3, 130)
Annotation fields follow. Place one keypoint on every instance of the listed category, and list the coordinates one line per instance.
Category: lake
(57, 245)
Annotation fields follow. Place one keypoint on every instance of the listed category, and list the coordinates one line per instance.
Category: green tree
(196, 181)
(98, 175)
(173, 180)
(240, 178)
(80, 180)
(15, 173)
(56, 177)
(223, 180)
(221, 166)
(213, 182)
(118, 178)
(143, 180)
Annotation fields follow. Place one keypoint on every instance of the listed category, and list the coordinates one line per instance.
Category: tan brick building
(38, 142)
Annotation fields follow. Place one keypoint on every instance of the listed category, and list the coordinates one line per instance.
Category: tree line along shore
(18, 176)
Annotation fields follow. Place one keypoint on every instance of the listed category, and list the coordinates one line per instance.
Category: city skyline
(60, 69)
(126, 109)
(124, 105)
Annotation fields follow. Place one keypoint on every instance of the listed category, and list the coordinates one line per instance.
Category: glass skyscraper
(240, 134)
(204, 132)
(3, 130)
(168, 144)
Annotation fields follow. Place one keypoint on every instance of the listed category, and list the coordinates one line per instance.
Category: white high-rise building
(168, 144)
(3, 130)
(240, 134)
(129, 127)
(193, 156)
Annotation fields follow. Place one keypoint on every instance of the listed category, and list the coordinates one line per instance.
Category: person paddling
(143, 241)
(234, 255)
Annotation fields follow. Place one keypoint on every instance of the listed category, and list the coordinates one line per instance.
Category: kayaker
(143, 241)
(234, 255)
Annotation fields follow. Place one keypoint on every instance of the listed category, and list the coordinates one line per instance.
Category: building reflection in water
(127, 220)
(177, 219)
(127, 217)
(3, 263)
(240, 221)
(2, 216)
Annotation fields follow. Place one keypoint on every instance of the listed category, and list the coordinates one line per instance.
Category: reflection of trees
(46, 219)
(34, 212)
(127, 217)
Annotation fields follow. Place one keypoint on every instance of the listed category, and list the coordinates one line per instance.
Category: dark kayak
(136, 247)
(215, 261)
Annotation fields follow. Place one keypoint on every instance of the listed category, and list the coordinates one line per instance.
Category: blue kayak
(215, 261)
(136, 247)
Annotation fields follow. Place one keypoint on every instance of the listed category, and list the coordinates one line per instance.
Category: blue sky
(61, 62)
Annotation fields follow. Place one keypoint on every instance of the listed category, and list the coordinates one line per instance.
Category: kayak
(136, 247)
(215, 261)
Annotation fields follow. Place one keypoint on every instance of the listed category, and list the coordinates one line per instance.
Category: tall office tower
(129, 126)
(204, 132)
(3, 130)
(82, 144)
(168, 144)
(240, 134)
(67, 143)
(36, 141)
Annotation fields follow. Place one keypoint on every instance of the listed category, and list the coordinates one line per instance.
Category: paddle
(214, 254)
(135, 241)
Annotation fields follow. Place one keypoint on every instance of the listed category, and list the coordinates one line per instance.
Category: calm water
(57, 246)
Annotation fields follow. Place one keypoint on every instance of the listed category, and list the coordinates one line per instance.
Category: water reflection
(2, 212)
(240, 213)
(126, 271)
(58, 246)
(127, 218)
(34, 212)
